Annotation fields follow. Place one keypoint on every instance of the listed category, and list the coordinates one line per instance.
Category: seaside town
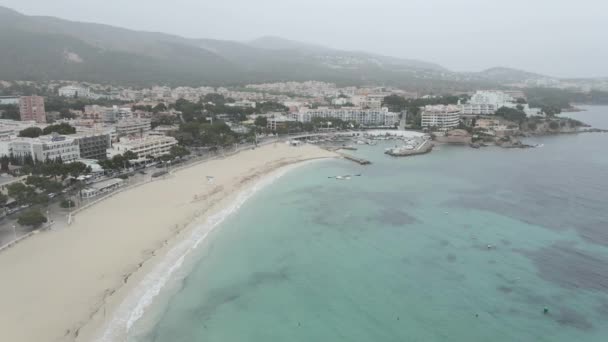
(79, 142)
(281, 171)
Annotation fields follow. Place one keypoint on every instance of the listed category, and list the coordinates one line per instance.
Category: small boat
(344, 177)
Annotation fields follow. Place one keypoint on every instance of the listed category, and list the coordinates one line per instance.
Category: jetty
(355, 159)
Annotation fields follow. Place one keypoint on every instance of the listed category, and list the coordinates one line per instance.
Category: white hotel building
(48, 147)
(365, 117)
(441, 117)
(487, 102)
(154, 146)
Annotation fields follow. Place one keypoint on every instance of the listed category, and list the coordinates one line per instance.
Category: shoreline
(148, 281)
(68, 283)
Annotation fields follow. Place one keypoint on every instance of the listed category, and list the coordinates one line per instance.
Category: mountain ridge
(44, 48)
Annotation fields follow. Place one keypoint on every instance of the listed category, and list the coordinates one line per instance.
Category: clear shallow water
(400, 254)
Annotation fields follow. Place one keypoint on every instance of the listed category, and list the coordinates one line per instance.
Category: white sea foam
(142, 295)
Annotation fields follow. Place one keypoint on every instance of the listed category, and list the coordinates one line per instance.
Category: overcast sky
(555, 37)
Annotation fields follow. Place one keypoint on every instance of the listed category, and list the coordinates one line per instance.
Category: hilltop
(48, 48)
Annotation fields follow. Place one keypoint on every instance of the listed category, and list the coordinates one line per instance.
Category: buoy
(490, 246)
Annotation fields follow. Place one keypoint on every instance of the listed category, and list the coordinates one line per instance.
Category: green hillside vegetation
(45, 48)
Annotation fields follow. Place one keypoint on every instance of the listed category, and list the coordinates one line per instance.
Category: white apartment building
(154, 146)
(74, 91)
(242, 104)
(128, 127)
(441, 117)
(9, 100)
(473, 109)
(496, 98)
(48, 147)
(365, 117)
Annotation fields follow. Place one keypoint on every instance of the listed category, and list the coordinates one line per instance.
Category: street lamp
(15, 231)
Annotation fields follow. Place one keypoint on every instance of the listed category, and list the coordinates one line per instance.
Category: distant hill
(506, 75)
(47, 48)
(278, 43)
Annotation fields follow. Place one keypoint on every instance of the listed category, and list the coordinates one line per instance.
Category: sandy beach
(64, 284)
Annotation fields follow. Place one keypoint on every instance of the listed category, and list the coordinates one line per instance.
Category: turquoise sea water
(401, 253)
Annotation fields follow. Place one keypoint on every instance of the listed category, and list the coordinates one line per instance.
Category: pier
(355, 159)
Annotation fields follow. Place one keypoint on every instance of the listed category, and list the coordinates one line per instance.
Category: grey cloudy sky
(554, 37)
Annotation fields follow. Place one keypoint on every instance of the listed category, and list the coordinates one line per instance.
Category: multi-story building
(474, 109)
(242, 104)
(48, 147)
(150, 146)
(441, 117)
(74, 91)
(32, 108)
(163, 130)
(279, 122)
(93, 145)
(496, 98)
(107, 114)
(133, 127)
(487, 102)
(365, 117)
(9, 100)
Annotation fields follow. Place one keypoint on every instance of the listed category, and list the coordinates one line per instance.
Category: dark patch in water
(393, 217)
(514, 311)
(571, 318)
(505, 289)
(451, 258)
(444, 243)
(535, 204)
(602, 309)
(505, 242)
(533, 298)
(225, 295)
(492, 262)
(455, 277)
(570, 268)
(506, 279)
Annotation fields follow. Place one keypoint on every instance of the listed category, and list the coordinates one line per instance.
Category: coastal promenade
(66, 283)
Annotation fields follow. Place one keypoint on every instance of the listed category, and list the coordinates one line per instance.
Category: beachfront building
(149, 146)
(93, 145)
(365, 117)
(487, 102)
(129, 127)
(440, 117)
(100, 188)
(47, 147)
(31, 108)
